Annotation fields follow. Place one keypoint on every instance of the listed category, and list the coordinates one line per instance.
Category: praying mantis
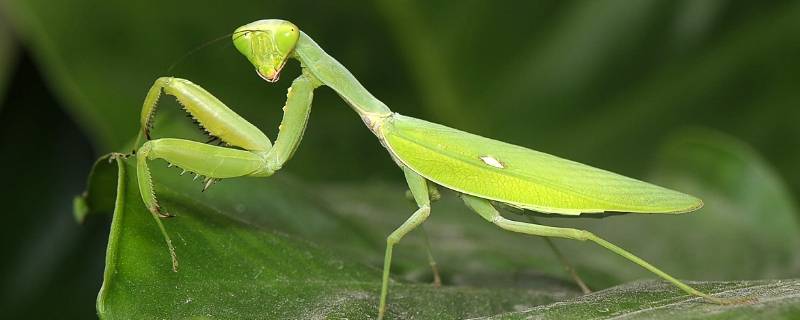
(485, 173)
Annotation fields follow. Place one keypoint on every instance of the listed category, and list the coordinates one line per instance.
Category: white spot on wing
(492, 162)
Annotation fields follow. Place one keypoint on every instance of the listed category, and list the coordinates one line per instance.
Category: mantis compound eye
(267, 44)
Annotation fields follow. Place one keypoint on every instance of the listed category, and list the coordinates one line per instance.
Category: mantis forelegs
(202, 159)
(260, 157)
(211, 114)
(484, 208)
(419, 188)
(221, 122)
(199, 158)
(295, 118)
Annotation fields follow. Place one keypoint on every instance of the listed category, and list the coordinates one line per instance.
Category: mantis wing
(521, 177)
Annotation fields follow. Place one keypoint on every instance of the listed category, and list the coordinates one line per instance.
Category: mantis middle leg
(485, 209)
(419, 189)
(437, 279)
(434, 195)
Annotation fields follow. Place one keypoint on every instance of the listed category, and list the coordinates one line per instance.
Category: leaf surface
(233, 269)
(777, 299)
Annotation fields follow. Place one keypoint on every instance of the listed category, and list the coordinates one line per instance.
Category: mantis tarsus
(481, 170)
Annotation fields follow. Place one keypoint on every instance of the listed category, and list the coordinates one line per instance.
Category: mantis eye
(267, 44)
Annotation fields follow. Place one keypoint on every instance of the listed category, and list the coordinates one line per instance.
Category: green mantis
(484, 172)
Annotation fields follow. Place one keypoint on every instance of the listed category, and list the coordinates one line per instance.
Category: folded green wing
(519, 176)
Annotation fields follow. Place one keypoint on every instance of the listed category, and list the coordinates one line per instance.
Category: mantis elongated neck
(334, 75)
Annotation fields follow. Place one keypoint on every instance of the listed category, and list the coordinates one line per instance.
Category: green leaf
(777, 299)
(230, 268)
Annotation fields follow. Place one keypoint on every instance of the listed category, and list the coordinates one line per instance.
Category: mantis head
(267, 44)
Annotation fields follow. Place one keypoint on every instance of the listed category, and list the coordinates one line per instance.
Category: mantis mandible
(482, 171)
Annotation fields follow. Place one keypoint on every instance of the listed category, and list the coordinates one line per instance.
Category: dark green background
(607, 83)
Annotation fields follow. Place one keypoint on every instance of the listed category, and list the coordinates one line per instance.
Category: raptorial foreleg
(202, 159)
(213, 116)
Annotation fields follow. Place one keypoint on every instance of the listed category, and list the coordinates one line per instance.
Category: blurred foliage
(8, 52)
(47, 256)
(746, 204)
(609, 83)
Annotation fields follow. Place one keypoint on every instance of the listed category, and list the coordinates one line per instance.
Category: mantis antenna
(197, 49)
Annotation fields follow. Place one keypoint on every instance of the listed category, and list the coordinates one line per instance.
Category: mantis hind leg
(561, 257)
(213, 116)
(485, 209)
(419, 189)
